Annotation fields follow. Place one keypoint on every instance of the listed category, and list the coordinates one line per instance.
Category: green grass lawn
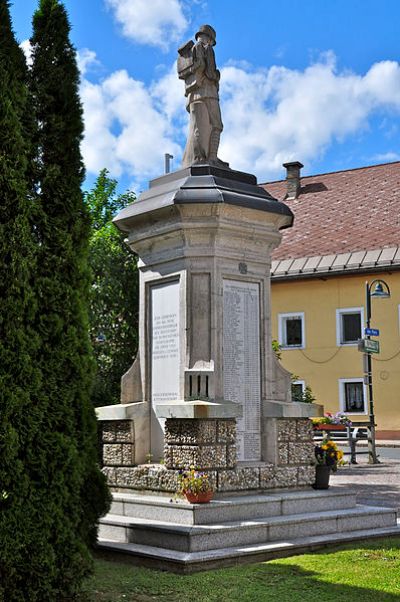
(367, 572)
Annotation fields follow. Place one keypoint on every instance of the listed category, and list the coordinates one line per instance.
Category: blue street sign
(374, 332)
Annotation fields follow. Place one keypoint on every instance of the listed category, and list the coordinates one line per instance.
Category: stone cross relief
(197, 68)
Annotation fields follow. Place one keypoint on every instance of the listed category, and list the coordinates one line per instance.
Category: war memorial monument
(206, 389)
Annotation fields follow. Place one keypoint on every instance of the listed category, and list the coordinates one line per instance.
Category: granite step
(231, 508)
(257, 531)
(190, 562)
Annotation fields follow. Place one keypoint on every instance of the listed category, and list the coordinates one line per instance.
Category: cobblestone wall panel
(267, 474)
(124, 432)
(184, 456)
(112, 454)
(283, 452)
(285, 477)
(110, 475)
(172, 431)
(304, 431)
(239, 479)
(301, 453)
(226, 431)
(306, 475)
(133, 477)
(128, 454)
(108, 431)
(286, 429)
(231, 456)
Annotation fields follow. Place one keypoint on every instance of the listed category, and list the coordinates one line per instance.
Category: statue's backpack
(186, 61)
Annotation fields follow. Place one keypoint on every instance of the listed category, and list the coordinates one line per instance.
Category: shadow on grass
(367, 571)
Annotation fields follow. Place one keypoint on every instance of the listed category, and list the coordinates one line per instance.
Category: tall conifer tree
(76, 493)
(20, 418)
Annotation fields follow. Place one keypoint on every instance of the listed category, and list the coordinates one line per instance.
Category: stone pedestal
(206, 444)
(205, 366)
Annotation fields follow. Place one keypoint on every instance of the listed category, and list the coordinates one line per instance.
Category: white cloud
(154, 22)
(386, 157)
(270, 116)
(86, 59)
(27, 49)
(169, 94)
(124, 130)
(276, 115)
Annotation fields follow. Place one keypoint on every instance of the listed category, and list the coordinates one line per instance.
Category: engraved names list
(241, 357)
(164, 354)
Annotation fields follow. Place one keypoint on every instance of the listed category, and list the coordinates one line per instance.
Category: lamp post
(381, 291)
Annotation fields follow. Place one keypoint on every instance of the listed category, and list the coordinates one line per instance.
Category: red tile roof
(352, 210)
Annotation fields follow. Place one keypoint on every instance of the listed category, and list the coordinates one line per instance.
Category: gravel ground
(376, 484)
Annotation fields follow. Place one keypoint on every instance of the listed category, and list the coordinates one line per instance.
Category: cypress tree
(75, 493)
(20, 419)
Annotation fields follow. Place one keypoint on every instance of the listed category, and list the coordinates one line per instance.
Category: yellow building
(346, 232)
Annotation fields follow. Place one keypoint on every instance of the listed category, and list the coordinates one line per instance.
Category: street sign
(373, 332)
(368, 346)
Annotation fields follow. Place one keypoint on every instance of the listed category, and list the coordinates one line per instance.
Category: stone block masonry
(118, 439)
(209, 444)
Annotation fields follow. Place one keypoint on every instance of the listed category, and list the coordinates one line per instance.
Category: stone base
(188, 537)
(209, 445)
(156, 478)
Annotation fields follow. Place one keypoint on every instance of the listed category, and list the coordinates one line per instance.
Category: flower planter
(322, 474)
(199, 498)
(329, 427)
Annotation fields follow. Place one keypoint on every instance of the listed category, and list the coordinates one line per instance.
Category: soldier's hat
(208, 30)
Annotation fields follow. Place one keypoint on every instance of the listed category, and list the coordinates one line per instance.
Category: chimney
(293, 179)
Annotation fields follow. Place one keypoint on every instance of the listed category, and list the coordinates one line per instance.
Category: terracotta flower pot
(199, 498)
(322, 474)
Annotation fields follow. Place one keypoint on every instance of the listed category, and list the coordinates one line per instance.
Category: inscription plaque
(241, 359)
(164, 345)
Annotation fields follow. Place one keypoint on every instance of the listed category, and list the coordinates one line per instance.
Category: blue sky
(314, 80)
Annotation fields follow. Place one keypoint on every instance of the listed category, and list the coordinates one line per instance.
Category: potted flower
(328, 457)
(195, 486)
(331, 422)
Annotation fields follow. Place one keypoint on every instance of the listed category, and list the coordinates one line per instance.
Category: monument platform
(185, 537)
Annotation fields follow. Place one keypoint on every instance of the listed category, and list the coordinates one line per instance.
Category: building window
(349, 323)
(298, 389)
(291, 330)
(352, 393)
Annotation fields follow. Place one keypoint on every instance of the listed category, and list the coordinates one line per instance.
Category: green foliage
(115, 288)
(305, 396)
(277, 349)
(54, 490)
(19, 376)
(194, 481)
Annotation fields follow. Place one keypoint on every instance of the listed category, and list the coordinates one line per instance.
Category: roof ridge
(328, 173)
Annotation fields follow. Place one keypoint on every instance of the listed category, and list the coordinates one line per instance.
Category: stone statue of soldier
(197, 67)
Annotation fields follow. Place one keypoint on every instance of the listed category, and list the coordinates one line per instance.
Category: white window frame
(300, 382)
(339, 313)
(281, 330)
(342, 396)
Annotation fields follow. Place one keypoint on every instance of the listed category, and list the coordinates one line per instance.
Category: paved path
(376, 484)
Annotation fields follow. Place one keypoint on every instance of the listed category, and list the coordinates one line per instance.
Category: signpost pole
(372, 457)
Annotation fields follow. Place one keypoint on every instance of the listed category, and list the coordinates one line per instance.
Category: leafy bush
(114, 294)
